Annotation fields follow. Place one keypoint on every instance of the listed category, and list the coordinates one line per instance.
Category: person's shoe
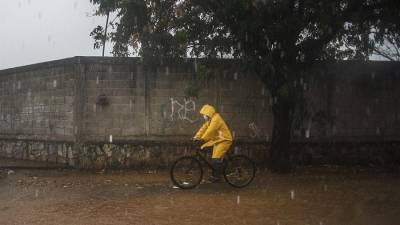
(213, 179)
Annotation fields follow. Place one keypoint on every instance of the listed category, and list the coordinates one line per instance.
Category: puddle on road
(305, 197)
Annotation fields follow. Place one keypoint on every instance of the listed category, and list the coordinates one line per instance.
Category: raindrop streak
(40, 15)
(36, 193)
(75, 5)
(325, 187)
(167, 70)
(308, 133)
(292, 194)
(130, 104)
(373, 75)
(110, 138)
(238, 200)
(195, 65)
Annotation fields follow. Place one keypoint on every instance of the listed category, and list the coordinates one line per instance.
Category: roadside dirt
(319, 196)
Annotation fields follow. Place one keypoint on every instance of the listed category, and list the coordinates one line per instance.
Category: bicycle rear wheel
(186, 172)
(239, 171)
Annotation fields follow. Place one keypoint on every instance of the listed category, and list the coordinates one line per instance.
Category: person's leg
(217, 168)
(219, 151)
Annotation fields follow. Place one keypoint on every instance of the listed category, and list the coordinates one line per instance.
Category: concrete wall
(66, 111)
(36, 102)
(150, 102)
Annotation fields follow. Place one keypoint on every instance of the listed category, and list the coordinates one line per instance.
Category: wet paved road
(319, 196)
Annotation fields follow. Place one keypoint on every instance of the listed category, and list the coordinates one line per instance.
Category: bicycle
(187, 171)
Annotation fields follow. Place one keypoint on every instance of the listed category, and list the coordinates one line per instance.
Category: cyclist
(216, 134)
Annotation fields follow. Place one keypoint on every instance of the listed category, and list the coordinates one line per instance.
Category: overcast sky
(35, 31)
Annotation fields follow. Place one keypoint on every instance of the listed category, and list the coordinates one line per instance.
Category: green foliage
(281, 33)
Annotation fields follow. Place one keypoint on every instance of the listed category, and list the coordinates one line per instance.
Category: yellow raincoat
(215, 132)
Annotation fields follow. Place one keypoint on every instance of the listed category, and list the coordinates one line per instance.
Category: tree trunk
(281, 134)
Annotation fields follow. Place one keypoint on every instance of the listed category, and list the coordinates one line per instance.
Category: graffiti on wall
(183, 110)
(13, 116)
(254, 130)
(257, 133)
(6, 115)
(177, 111)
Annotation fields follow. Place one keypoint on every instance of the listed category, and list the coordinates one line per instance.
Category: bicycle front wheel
(239, 171)
(186, 172)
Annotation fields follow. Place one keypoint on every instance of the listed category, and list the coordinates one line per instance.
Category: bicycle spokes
(239, 171)
(186, 172)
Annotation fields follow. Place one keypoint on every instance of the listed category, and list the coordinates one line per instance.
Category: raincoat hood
(208, 110)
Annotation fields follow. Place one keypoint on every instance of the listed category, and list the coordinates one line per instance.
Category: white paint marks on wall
(182, 111)
(255, 131)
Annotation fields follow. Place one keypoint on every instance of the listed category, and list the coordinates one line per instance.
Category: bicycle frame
(200, 156)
